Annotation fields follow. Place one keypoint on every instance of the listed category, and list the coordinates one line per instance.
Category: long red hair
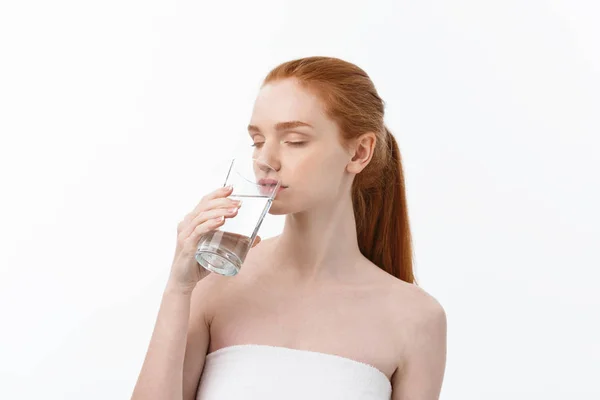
(378, 192)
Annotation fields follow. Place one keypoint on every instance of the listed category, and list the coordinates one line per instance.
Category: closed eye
(297, 144)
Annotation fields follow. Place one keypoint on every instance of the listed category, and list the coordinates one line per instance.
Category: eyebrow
(282, 126)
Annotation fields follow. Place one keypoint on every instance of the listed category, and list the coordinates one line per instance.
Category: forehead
(287, 100)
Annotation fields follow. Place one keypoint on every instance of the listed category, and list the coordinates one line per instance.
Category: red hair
(378, 191)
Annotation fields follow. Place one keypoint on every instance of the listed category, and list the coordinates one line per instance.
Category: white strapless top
(251, 371)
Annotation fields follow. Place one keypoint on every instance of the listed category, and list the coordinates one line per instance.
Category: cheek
(318, 173)
(313, 179)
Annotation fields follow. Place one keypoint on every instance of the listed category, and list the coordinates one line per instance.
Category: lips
(269, 182)
(267, 187)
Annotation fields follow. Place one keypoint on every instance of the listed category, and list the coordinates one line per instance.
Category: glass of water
(256, 184)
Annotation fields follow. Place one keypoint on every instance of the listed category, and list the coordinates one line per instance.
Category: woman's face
(292, 134)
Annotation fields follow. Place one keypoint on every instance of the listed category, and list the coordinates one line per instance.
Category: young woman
(329, 309)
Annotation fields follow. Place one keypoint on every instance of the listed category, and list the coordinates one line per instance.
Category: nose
(269, 155)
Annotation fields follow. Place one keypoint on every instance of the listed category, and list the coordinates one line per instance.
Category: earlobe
(353, 167)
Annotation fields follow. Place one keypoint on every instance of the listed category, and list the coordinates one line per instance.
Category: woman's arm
(422, 370)
(180, 324)
(169, 371)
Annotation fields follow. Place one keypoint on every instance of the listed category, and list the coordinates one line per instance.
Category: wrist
(177, 288)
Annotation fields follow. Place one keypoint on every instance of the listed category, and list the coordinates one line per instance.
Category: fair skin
(309, 288)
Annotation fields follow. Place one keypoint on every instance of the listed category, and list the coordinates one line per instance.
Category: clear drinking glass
(256, 184)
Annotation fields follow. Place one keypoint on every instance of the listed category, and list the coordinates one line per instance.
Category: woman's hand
(207, 216)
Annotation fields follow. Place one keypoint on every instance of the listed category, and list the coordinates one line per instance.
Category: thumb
(256, 241)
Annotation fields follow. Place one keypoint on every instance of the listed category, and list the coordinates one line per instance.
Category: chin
(284, 205)
(277, 208)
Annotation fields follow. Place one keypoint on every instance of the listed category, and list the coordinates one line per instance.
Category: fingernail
(228, 187)
(233, 210)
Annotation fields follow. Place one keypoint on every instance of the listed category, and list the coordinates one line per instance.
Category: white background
(113, 114)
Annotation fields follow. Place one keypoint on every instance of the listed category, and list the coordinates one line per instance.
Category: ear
(361, 152)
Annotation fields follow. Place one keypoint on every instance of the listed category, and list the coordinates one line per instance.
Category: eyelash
(297, 144)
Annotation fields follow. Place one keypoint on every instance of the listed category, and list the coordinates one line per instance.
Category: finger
(220, 192)
(205, 216)
(222, 202)
(256, 241)
(202, 229)
(212, 200)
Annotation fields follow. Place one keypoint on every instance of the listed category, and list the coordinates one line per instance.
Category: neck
(320, 242)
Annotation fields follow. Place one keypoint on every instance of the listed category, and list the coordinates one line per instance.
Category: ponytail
(382, 216)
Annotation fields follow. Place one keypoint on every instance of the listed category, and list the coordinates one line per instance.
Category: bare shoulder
(419, 332)
(412, 309)
(209, 294)
(417, 328)
(423, 304)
